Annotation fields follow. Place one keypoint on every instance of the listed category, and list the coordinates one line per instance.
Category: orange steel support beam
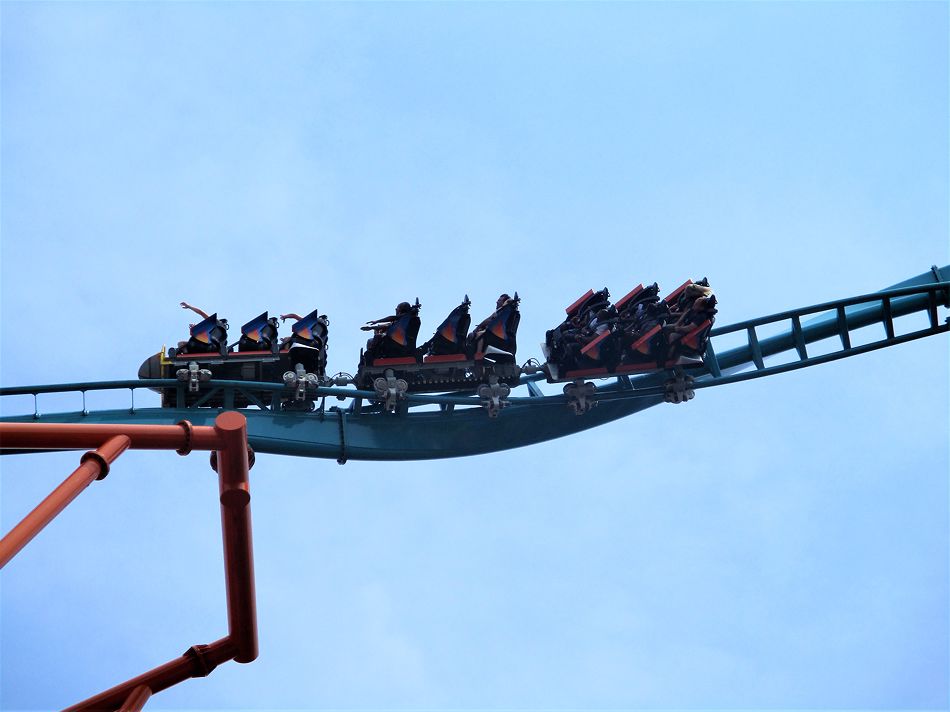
(197, 661)
(95, 465)
(136, 701)
(184, 436)
(235, 497)
(228, 437)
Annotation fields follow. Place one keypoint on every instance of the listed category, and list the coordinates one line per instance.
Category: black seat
(259, 334)
(399, 339)
(449, 338)
(208, 336)
(499, 331)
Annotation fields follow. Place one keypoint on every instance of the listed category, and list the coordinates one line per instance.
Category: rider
(283, 318)
(192, 344)
(314, 320)
(476, 340)
(697, 304)
(601, 321)
(379, 326)
(499, 303)
(200, 312)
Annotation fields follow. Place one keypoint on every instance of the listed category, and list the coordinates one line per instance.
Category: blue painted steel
(461, 426)
(905, 298)
(376, 436)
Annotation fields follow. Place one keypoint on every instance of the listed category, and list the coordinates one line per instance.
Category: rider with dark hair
(381, 331)
(502, 300)
(491, 329)
(385, 322)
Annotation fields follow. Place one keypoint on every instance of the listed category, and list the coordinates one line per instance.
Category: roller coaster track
(459, 426)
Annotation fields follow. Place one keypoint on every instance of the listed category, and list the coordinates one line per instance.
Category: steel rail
(546, 400)
(853, 317)
(942, 286)
(557, 399)
(770, 346)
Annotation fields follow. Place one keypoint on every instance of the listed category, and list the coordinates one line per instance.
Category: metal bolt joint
(99, 459)
(202, 662)
(189, 434)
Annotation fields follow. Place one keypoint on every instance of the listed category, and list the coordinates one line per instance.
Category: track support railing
(136, 699)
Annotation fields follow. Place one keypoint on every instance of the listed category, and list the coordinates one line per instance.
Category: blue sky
(781, 543)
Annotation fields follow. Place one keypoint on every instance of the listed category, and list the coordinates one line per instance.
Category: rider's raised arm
(196, 310)
(382, 321)
(285, 317)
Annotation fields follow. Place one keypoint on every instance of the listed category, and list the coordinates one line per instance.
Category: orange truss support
(227, 439)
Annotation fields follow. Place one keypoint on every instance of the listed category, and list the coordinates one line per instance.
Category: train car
(452, 360)
(298, 361)
(640, 333)
(597, 339)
